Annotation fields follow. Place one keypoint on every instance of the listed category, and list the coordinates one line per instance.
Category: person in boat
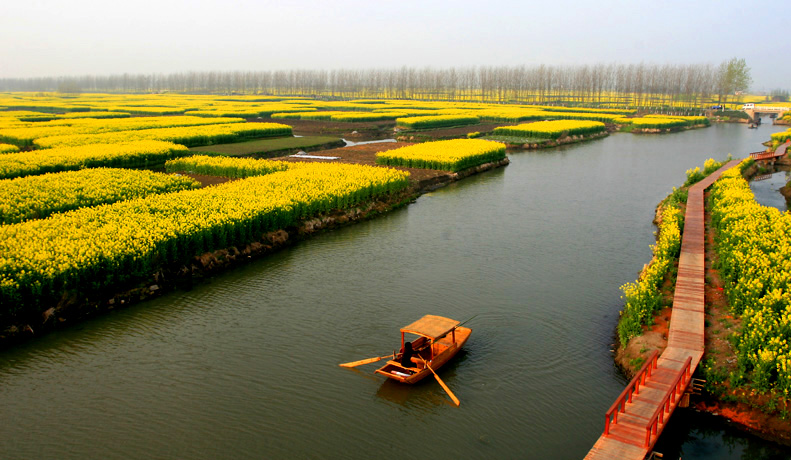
(406, 356)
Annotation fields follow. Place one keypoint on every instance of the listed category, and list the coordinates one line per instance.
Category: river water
(245, 365)
(766, 189)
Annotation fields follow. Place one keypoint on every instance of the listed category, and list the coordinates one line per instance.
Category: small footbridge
(755, 111)
(638, 416)
(771, 156)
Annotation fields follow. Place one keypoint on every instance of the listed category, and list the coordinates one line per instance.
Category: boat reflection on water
(426, 394)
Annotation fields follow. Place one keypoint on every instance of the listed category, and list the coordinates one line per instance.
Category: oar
(364, 361)
(442, 384)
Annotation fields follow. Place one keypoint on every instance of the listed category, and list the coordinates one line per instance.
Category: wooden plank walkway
(641, 421)
(780, 151)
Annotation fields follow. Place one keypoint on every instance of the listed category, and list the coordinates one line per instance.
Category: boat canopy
(431, 326)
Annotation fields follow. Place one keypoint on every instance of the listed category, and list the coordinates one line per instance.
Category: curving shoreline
(74, 307)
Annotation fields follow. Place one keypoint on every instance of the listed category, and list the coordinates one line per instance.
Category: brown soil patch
(786, 192)
(356, 131)
(720, 323)
(640, 348)
(654, 338)
(206, 181)
(750, 419)
(448, 133)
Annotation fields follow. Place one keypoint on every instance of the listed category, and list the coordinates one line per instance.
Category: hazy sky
(76, 37)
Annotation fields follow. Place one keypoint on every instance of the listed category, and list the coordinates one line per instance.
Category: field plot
(452, 155)
(36, 197)
(189, 136)
(8, 148)
(753, 244)
(436, 121)
(235, 168)
(132, 154)
(663, 122)
(552, 129)
(271, 146)
(27, 134)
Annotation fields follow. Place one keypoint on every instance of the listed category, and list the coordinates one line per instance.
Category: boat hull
(395, 371)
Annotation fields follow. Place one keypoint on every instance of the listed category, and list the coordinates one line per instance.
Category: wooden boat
(439, 339)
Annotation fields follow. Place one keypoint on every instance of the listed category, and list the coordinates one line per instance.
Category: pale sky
(78, 37)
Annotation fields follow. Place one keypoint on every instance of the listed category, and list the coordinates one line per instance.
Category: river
(245, 365)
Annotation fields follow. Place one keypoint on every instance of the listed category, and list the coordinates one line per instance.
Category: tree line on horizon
(690, 85)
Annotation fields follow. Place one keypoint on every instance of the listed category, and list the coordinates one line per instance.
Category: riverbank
(674, 129)
(74, 307)
(515, 143)
(630, 357)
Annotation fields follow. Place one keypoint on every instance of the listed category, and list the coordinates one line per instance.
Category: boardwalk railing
(633, 388)
(780, 151)
(669, 402)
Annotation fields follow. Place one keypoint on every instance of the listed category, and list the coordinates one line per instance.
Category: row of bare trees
(632, 84)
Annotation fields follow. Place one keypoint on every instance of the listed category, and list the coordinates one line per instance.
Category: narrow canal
(245, 365)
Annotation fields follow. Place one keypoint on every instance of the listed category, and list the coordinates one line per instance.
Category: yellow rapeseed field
(36, 197)
(131, 154)
(452, 155)
(754, 243)
(96, 247)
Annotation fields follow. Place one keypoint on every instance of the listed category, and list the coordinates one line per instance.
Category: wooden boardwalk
(780, 151)
(637, 418)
